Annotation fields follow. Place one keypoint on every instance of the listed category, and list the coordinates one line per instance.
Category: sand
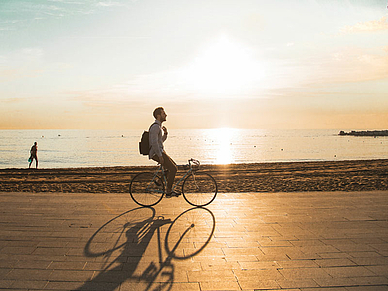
(360, 175)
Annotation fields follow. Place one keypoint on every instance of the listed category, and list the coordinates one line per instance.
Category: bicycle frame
(161, 170)
(189, 171)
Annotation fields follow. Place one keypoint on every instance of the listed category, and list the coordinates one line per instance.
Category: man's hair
(158, 111)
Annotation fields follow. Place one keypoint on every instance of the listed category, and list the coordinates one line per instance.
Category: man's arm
(164, 137)
(154, 133)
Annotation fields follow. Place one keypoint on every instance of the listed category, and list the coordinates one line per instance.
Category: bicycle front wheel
(199, 189)
(146, 189)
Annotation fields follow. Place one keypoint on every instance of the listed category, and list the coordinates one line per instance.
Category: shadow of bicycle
(126, 252)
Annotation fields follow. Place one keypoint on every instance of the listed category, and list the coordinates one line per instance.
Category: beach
(352, 175)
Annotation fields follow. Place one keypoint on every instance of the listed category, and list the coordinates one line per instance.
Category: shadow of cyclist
(138, 234)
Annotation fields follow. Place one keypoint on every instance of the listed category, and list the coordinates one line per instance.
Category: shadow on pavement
(120, 244)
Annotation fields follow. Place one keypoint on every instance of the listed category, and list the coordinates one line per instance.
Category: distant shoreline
(365, 133)
(349, 175)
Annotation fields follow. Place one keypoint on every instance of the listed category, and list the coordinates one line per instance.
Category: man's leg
(172, 168)
(36, 160)
(169, 165)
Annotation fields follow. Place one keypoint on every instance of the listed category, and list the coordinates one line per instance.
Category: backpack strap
(151, 126)
(150, 146)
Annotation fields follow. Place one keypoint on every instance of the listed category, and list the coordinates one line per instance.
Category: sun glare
(224, 67)
(223, 139)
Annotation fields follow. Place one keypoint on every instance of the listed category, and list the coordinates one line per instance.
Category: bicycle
(198, 188)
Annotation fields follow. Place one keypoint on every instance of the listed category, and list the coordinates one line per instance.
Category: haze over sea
(103, 148)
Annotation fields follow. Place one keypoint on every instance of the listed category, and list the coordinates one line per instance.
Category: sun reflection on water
(223, 142)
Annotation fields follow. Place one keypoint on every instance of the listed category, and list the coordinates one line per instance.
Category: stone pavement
(246, 241)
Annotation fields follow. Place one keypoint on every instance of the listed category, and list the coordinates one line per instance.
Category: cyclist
(157, 135)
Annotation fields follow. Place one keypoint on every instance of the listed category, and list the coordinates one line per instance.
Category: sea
(108, 148)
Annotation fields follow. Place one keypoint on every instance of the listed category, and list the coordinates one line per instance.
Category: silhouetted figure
(34, 154)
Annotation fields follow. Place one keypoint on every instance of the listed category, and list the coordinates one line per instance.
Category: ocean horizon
(108, 148)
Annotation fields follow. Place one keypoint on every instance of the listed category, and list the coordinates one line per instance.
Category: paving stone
(21, 284)
(292, 264)
(32, 264)
(67, 265)
(260, 265)
(378, 280)
(57, 285)
(303, 283)
(324, 263)
(184, 287)
(336, 255)
(257, 283)
(67, 275)
(220, 264)
(265, 275)
(242, 251)
(28, 274)
(6, 283)
(303, 273)
(378, 270)
(208, 276)
(365, 254)
(371, 261)
(17, 250)
(335, 282)
(348, 272)
(219, 286)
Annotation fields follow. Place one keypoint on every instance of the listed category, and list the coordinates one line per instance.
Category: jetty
(365, 133)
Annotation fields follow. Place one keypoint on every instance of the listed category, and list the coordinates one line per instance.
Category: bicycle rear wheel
(146, 189)
(199, 189)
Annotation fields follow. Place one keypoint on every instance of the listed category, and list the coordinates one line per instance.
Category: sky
(279, 64)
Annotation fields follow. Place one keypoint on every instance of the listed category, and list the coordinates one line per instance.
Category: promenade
(242, 241)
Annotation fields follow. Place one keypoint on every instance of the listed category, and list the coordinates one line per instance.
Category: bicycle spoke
(147, 189)
(199, 189)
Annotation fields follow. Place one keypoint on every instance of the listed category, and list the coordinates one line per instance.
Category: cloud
(3, 60)
(21, 14)
(31, 53)
(363, 67)
(109, 4)
(13, 100)
(368, 26)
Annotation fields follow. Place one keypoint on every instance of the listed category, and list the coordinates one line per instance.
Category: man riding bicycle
(157, 135)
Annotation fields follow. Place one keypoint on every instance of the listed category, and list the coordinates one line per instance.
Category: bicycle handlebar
(194, 162)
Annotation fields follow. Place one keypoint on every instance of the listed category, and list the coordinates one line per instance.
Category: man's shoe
(172, 194)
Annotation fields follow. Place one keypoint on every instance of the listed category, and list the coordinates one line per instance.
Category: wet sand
(359, 175)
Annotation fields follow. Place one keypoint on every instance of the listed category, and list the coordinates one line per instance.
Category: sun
(224, 67)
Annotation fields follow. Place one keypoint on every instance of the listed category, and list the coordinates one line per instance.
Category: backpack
(144, 144)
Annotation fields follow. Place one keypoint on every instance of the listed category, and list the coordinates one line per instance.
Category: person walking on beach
(34, 154)
(158, 135)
